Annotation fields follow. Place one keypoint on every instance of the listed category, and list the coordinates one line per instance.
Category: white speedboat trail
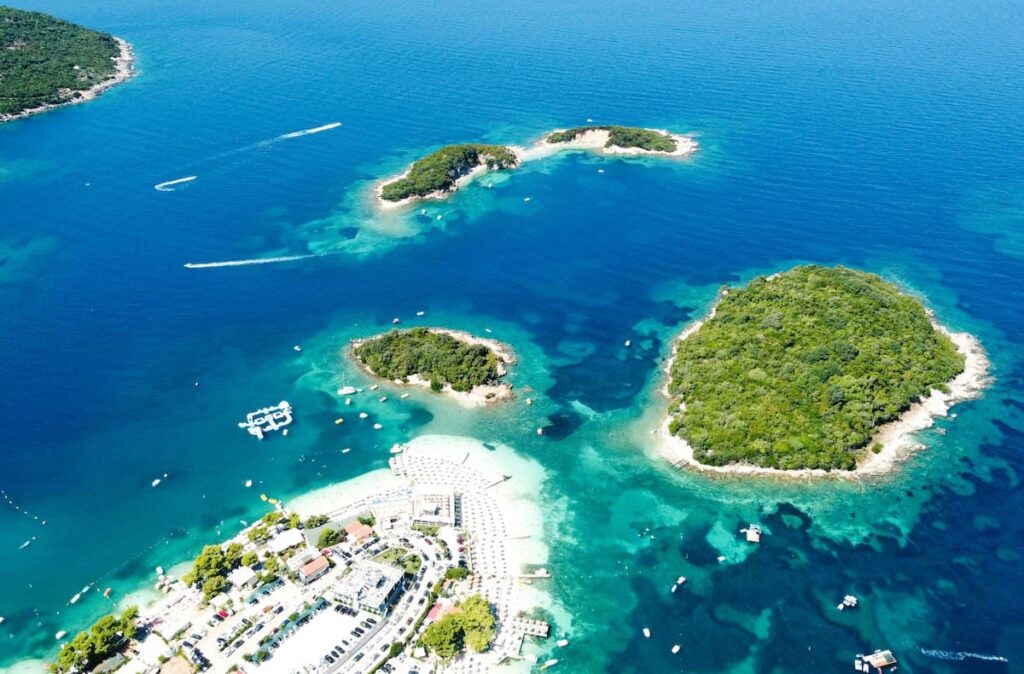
(169, 186)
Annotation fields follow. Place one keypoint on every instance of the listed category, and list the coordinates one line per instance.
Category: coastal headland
(47, 63)
(452, 362)
(442, 172)
(815, 371)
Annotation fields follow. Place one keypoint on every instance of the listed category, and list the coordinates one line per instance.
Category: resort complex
(408, 579)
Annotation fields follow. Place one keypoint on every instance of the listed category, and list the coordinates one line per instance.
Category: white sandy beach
(124, 69)
(589, 141)
(895, 437)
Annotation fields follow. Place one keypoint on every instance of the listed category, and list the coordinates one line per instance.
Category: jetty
(539, 573)
(267, 419)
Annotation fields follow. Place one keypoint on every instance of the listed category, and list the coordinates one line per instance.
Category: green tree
(213, 586)
(329, 537)
(314, 521)
(249, 559)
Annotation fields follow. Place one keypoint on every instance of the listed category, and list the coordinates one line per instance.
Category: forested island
(438, 172)
(47, 62)
(621, 136)
(445, 360)
(799, 370)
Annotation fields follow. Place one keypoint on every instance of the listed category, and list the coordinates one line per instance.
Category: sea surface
(884, 134)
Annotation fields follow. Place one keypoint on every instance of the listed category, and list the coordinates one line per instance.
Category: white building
(433, 504)
(369, 586)
(241, 577)
(288, 538)
(391, 512)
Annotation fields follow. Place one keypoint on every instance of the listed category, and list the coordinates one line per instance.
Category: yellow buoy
(263, 497)
(339, 421)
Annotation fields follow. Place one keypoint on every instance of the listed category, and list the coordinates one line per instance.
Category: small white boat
(675, 587)
(61, 634)
(375, 387)
(377, 427)
(397, 448)
(396, 321)
(404, 396)
(562, 643)
(25, 544)
(346, 450)
(248, 483)
(629, 343)
(420, 313)
(382, 399)
(1, 620)
(348, 401)
(155, 482)
(540, 431)
(589, 119)
(600, 170)
(680, 580)
(647, 633)
(549, 663)
(297, 348)
(438, 217)
(159, 570)
(527, 199)
(74, 600)
(347, 390)
(363, 415)
(675, 649)
(529, 401)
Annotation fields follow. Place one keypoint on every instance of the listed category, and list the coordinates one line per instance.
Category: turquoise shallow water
(885, 136)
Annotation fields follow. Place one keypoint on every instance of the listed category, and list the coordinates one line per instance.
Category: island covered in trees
(799, 370)
(442, 172)
(438, 172)
(448, 361)
(621, 137)
(47, 62)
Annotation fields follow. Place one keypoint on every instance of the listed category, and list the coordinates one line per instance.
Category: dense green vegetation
(439, 170)
(106, 637)
(471, 626)
(329, 537)
(436, 356)
(39, 55)
(797, 371)
(621, 136)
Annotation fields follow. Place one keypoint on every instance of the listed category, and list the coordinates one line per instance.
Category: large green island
(443, 171)
(47, 62)
(800, 371)
(448, 361)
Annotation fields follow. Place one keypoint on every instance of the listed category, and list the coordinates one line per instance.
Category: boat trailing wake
(255, 260)
(957, 656)
(308, 132)
(170, 185)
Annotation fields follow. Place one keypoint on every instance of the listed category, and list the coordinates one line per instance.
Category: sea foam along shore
(478, 396)
(590, 141)
(895, 437)
(124, 69)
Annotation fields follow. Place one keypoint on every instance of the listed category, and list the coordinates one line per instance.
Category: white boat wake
(308, 132)
(255, 260)
(169, 185)
(957, 656)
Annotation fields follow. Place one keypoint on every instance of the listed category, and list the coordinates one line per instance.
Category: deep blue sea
(884, 134)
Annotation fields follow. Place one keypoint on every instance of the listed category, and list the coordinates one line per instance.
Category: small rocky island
(456, 363)
(815, 369)
(439, 172)
(46, 62)
(618, 138)
(444, 171)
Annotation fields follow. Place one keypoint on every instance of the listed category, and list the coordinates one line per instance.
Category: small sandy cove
(895, 437)
(478, 396)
